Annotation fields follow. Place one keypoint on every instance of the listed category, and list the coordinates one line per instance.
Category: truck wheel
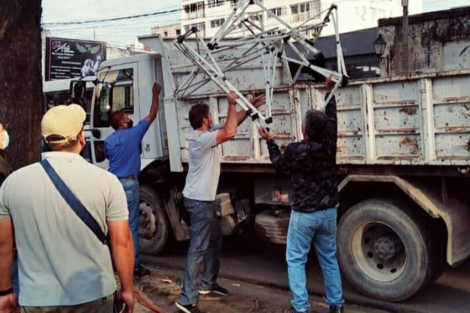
(272, 225)
(153, 222)
(385, 250)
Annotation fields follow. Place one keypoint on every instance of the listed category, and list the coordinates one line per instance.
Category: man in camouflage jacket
(311, 164)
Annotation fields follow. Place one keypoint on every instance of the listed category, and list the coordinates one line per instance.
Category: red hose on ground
(147, 304)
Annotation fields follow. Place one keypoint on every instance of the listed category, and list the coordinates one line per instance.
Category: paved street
(163, 288)
(249, 260)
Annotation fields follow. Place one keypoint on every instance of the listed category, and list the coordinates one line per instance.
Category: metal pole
(404, 54)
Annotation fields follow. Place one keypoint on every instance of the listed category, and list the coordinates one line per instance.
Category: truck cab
(126, 84)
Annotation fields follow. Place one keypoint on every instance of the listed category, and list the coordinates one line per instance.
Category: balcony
(194, 11)
(302, 17)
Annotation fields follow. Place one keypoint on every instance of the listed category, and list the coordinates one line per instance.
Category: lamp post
(379, 45)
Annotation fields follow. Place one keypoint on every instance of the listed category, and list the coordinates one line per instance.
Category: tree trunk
(20, 79)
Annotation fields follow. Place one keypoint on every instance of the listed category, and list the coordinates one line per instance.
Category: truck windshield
(114, 92)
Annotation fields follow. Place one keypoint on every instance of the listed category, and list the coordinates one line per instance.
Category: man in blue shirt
(123, 149)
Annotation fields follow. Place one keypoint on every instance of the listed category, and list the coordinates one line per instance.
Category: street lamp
(379, 45)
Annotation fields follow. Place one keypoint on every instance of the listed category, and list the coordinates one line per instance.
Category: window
(215, 3)
(217, 23)
(178, 32)
(201, 27)
(373, 12)
(305, 11)
(194, 10)
(294, 9)
(114, 92)
(52, 99)
(278, 11)
(165, 34)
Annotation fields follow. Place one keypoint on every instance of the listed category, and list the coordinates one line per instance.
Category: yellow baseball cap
(63, 121)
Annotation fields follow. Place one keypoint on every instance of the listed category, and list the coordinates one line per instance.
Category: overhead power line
(113, 19)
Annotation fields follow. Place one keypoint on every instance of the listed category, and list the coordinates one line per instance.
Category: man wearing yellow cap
(63, 265)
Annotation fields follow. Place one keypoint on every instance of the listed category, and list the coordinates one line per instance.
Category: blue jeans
(14, 276)
(317, 228)
(205, 246)
(131, 187)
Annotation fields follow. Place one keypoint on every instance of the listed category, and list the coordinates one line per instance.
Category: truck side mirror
(96, 133)
(77, 89)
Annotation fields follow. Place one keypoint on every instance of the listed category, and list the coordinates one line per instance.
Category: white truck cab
(126, 84)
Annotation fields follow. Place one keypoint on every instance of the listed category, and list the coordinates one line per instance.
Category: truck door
(114, 92)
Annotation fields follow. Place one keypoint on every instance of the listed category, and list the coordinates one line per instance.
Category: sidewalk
(163, 287)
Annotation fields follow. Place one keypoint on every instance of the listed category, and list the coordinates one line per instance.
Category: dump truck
(403, 158)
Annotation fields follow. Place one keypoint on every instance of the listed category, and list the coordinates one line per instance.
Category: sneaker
(140, 271)
(292, 310)
(214, 289)
(336, 309)
(190, 308)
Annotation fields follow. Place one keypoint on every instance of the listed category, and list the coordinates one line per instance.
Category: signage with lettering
(71, 58)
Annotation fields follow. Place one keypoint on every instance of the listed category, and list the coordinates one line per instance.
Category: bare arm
(155, 103)
(8, 303)
(122, 248)
(257, 102)
(6, 253)
(229, 130)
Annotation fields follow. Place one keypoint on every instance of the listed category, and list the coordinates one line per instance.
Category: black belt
(132, 177)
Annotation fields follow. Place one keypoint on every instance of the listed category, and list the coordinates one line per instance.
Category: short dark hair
(197, 113)
(116, 119)
(316, 125)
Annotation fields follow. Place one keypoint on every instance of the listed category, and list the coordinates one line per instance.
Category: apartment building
(209, 15)
(170, 30)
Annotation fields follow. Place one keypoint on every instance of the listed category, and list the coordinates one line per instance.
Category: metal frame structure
(262, 43)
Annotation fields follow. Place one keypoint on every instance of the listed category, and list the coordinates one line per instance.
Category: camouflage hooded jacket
(312, 167)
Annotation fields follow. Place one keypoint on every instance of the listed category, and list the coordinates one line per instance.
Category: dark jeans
(14, 277)
(131, 187)
(103, 305)
(205, 246)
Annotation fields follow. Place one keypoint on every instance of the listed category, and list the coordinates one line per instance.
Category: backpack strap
(73, 202)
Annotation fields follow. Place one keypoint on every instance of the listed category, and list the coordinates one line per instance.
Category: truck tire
(386, 250)
(272, 225)
(154, 225)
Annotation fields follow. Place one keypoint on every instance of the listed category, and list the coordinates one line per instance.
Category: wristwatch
(6, 292)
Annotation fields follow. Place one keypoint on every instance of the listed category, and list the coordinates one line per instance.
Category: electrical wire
(147, 20)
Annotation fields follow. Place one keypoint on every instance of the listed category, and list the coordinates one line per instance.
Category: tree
(20, 79)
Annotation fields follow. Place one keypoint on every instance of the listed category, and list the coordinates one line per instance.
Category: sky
(119, 33)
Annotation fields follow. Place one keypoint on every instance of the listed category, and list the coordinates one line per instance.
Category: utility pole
(94, 34)
(404, 45)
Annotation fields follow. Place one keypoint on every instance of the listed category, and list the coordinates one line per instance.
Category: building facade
(171, 30)
(208, 15)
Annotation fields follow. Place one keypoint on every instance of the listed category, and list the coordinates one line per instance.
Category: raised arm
(155, 102)
(282, 162)
(256, 102)
(331, 113)
(229, 129)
